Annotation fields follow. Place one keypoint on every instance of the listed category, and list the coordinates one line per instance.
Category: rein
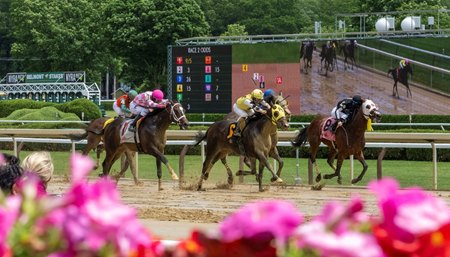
(174, 115)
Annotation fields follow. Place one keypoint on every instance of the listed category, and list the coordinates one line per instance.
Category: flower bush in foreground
(89, 220)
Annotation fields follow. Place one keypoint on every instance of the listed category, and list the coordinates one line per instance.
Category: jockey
(122, 105)
(145, 103)
(403, 63)
(247, 106)
(269, 96)
(344, 110)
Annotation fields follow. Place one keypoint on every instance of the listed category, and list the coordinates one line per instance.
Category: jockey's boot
(239, 127)
(132, 127)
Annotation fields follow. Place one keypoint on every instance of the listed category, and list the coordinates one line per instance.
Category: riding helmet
(132, 94)
(357, 99)
(269, 92)
(257, 94)
(158, 95)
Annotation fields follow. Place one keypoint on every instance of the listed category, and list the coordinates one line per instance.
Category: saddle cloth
(127, 136)
(325, 129)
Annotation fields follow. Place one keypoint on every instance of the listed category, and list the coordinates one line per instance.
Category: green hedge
(78, 106)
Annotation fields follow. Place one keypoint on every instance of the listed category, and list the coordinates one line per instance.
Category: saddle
(127, 136)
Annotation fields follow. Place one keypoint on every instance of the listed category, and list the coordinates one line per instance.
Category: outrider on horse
(306, 52)
(151, 133)
(349, 140)
(401, 75)
(255, 139)
(349, 52)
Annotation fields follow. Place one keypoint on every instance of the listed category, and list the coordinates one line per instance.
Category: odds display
(201, 78)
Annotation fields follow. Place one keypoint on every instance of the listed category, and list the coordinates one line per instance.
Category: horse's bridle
(174, 115)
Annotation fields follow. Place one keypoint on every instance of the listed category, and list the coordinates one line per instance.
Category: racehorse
(349, 52)
(281, 101)
(255, 140)
(152, 136)
(328, 55)
(401, 75)
(349, 140)
(306, 51)
(94, 136)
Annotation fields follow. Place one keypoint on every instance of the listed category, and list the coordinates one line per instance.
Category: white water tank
(382, 25)
(408, 24)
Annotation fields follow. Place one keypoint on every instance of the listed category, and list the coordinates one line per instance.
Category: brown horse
(401, 75)
(255, 139)
(281, 101)
(306, 52)
(349, 141)
(152, 135)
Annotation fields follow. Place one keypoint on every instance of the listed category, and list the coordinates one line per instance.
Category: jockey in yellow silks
(247, 106)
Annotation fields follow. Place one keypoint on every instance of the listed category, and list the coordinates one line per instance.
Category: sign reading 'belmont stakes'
(46, 77)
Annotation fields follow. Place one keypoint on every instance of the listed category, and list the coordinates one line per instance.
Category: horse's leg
(109, 161)
(99, 151)
(313, 152)
(130, 160)
(159, 174)
(263, 159)
(274, 154)
(331, 157)
(260, 175)
(408, 91)
(229, 172)
(207, 166)
(160, 156)
(337, 172)
(361, 159)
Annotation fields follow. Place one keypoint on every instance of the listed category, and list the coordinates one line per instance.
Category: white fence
(432, 141)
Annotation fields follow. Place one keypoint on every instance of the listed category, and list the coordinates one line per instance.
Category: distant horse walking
(349, 141)
(327, 54)
(401, 75)
(152, 135)
(306, 52)
(349, 52)
(255, 138)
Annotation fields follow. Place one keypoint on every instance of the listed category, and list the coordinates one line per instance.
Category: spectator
(10, 172)
(41, 164)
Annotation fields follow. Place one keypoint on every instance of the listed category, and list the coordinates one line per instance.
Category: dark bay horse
(94, 136)
(283, 103)
(255, 138)
(306, 52)
(350, 140)
(152, 135)
(349, 52)
(401, 75)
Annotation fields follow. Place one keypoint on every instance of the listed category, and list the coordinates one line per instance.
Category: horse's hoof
(160, 189)
(102, 175)
(138, 183)
(339, 181)
(318, 178)
(175, 176)
(355, 180)
(317, 187)
(239, 173)
(276, 180)
(230, 180)
(327, 176)
(201, 189)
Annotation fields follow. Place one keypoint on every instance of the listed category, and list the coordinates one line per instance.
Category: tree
(235, 30)
(54, 35)
(142, 30)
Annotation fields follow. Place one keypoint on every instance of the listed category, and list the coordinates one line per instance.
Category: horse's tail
(78, 137)
(199, 138)
(390, 71)
(301, 138)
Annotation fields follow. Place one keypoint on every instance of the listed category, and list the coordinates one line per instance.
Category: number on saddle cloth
(326, 131)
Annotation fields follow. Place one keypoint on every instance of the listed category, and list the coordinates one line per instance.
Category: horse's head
(370, 111)
(285, 105)
(177, 115)
(279, 117)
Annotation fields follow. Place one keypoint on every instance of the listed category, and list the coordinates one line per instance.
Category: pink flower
(8, 215)
(335, 232)
(280, 218)
(402, 208)
(81, 166)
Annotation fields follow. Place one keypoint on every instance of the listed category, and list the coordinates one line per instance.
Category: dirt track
(171, 213)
